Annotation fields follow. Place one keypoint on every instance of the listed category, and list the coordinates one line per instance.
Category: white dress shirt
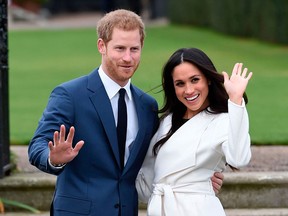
(112, 89)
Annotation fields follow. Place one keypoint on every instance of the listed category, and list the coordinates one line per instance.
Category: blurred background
(53, 41)
(37, 9)
(262, 19)
(53, 51)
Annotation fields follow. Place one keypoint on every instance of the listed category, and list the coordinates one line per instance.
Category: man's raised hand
(61, 150)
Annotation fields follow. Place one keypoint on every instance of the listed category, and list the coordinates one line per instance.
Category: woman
(203, 128)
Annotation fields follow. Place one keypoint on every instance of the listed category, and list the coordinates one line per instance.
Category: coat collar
(182, 145)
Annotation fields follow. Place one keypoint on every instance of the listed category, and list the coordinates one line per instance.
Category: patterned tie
(122, 125)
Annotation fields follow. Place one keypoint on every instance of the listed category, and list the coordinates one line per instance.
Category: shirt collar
(111, 86)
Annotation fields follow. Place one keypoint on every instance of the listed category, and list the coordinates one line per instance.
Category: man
(95, 180)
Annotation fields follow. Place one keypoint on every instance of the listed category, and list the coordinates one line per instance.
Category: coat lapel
(179, 152)
(102, 104)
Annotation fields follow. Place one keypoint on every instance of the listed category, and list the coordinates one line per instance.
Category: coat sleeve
(58, 111)
(237, 149)
(145, 178)
(146, 175)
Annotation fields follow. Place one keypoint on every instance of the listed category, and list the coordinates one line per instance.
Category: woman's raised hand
(236, 84)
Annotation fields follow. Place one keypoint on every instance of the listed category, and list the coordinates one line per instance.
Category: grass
(39, 60)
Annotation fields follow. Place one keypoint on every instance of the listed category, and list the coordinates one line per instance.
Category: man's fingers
(71, 135)
(59, 138)
(50, 145)
(219, 176)
(78, 146)
(56, 137)
(62, 133)
(217, 181)
(216, 187)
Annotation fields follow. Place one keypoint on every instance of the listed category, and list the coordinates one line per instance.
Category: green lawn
(39, 60)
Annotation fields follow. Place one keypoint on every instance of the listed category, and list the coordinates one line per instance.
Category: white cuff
(56, 166)
(242, 104)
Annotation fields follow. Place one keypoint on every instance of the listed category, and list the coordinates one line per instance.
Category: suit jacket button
(116, 205)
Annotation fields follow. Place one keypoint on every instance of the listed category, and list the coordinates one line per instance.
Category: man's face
(121, 55)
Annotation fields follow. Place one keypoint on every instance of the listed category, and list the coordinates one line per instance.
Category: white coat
(177, 181)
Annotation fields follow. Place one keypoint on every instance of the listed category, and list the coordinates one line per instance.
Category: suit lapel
(141, 132)
(102, 104)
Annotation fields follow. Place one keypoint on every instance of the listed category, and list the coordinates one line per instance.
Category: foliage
(4, 202)
(262, 19)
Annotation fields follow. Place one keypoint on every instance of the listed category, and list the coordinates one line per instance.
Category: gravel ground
(268, 158)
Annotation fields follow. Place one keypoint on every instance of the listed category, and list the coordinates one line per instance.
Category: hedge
(262, 19)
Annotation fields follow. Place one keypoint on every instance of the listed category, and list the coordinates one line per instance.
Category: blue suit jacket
(93, 184)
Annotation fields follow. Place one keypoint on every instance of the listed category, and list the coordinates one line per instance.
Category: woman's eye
(179, 84)
(195, 80)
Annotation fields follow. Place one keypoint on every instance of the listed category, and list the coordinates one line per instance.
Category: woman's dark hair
(217, 95)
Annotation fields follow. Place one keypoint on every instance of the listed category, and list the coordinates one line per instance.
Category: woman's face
(191, 88)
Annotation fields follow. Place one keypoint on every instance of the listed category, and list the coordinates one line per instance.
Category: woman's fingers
(235, 70)
(249, 75)
(244, 72)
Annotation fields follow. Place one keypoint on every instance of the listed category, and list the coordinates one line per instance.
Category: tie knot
(122, 92)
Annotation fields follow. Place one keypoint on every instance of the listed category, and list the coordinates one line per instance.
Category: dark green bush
(262, 19)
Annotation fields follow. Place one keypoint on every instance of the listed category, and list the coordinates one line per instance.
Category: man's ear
(101, 46)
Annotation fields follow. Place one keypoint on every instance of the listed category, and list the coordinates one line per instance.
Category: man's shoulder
(78, 80)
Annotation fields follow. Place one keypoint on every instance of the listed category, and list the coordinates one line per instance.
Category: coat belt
(163, 202)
